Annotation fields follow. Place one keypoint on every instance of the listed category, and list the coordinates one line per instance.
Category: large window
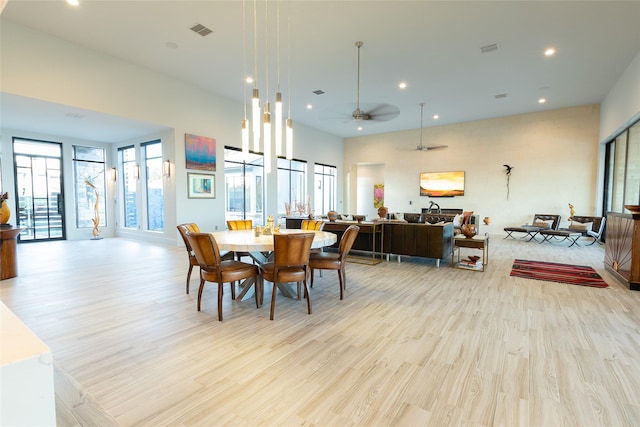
(622, 170)
(292, 177)
(155, 200)
(130, 173)
(324, 184)
(244, 186)
(89, 185)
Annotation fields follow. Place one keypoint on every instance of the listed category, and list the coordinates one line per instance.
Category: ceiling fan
(375, 112)
(422, 147)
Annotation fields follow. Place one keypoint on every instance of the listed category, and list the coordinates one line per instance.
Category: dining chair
(312, 224)
(335, 261)
(190, 227)
(214, 269)
(290, 264)
(240, 224)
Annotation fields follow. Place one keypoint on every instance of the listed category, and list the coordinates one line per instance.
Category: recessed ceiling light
(318, 92)
(249, 79)
(550, 52)
(171, 45)
(542, 100)
(402, 85)
(309, 106)
(359, 127)
(436, 117)
(73, 2)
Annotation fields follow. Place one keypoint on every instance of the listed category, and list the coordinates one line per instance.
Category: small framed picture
(201, 186)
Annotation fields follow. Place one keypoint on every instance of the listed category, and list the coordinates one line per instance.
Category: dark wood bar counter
(622, 250)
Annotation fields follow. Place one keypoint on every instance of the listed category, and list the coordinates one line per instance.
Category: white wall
(621, 106)
(93, 81)
(554, 156)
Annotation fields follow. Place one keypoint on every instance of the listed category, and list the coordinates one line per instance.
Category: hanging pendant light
(255, 99)
(289, 126)
(278, 117)
(245, 122)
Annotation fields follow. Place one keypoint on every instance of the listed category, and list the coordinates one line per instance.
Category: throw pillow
(581, 226)
(399, 215)
(467, 217)
(457, 220)
(346, 217)
(542, 223)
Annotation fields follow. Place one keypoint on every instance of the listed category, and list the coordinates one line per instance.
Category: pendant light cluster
(261, 121)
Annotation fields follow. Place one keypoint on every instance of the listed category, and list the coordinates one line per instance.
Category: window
(324, 196)
(130, 172)
(243, 186)
(292, 176)
(89, 185)
(155, 199)
(622, 170)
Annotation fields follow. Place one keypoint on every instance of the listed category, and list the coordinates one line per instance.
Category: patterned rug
(555, 272)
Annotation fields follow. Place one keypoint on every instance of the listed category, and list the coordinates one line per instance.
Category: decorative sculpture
(572, 212)
(96, 212)
(508, 172)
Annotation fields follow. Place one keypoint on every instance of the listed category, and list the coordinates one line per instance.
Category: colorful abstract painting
(200, 152)
(378, 195)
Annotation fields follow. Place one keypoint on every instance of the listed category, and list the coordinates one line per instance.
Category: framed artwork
(201, 186)
(200, 152)
(378, 195)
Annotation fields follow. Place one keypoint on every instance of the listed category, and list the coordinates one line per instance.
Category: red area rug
(553, 272)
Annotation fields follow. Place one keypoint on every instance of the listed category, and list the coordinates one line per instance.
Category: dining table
(260, 248)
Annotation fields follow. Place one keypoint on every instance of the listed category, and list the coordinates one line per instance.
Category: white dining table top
(246, 240)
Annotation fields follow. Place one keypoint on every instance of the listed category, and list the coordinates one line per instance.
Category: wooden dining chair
(290, 264)
(190, 227)
(240, 224)
(214, 269)
(335, 261)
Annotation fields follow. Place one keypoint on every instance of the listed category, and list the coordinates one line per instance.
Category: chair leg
(257, 290)
(233, 290)
(340, 281)
(220, 293)
(312, 274)
(307, 296)
(299, 290)
(273, 300)
(189, 276)
(200, 292)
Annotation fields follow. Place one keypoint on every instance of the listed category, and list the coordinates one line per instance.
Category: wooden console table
(8, 249)
(622, 249)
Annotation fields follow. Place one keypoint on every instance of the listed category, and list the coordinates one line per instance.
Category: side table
(475, 242)
(8, 249)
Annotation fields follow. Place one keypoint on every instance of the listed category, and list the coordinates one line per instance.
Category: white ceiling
(433, 46)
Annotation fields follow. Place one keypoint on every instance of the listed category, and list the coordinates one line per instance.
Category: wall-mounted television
(442, 184)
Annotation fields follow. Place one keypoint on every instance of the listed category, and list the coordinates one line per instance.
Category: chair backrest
(292, 250)
(597, 225)
(312, 224)
(547, 217)
(184, 229)
(346, 242)
(205, 248)
(240, 224)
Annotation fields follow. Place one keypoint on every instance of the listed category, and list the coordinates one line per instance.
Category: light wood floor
(410, 345)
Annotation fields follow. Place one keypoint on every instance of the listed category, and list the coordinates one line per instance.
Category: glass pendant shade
(267, 138)
(255, 111)
(289, 138)
(278, 124)
(245, 136)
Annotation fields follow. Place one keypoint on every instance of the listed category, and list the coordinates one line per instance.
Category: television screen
(442, 184)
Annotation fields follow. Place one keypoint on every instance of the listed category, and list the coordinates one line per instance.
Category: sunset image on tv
(442, 184)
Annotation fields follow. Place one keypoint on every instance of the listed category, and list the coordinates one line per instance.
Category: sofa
(445, 215)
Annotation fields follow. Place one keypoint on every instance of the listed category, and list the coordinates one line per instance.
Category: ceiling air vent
(489, 48)
(500, 96)
(318, 92)
(201, 29)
